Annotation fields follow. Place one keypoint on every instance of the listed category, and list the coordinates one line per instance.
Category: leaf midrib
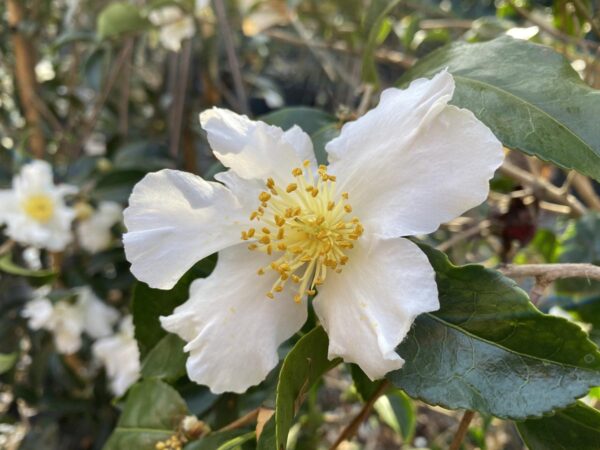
(495, 344)
(530, 105)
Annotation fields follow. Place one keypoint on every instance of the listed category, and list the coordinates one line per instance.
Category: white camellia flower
(34, 209)
(175, 26)
(120, 355)
(67, 321)
(93, 233)
(286, 228)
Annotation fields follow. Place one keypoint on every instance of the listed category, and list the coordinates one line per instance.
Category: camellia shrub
(299, 225)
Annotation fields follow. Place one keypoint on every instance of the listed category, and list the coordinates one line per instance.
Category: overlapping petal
(175, 219)
(253, 149)
(414, 162)
(233, 330)
(369, 308)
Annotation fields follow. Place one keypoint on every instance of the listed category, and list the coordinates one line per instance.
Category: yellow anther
(274, 266)
(291, 187)
(264, 197)
(320, 220)
(297, 172)
(314, 192)
(348, 208)
(251, 232)
(280, 233)
(260, 271)
(322, 168)
(332, 178)
(280, 221)
(281, 246)
(311, 292)
(266, 230)
(265, 240)
(343, 260)
(278, 288)
(252, 247)
(345, 195)
(295, 278)
(269, 250)
(254, 215)
(297, 298)
(330, 206)
(270, 183)
(306, 163)
(270, 295)
(310, 188)
(244, 236)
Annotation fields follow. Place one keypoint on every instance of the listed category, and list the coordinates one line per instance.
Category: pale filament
(306, 226)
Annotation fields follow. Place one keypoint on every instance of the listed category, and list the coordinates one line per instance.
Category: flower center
(39, 207)
(308, 227)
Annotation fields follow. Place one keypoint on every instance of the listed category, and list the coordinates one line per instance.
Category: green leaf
(528, 95)
(152, 413)
(302, 367)
(396, 410)
(377, 28)
(166, 360)
(577, 427)
(120, 18)
(489, 349)
(149, 304)
(38, 276)
(7, 361)
(363, 384)
(117, 185)
(309, 119)
(321, 138)
(217, 440)
(267, 439)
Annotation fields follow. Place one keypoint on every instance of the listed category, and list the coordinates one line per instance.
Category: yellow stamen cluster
(39, 207)
(306, 226)
(173, 443)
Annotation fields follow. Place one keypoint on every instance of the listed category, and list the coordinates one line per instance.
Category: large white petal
(253, 149)
(233, 330)
(175, 219)
(413, 162)
(368, 309)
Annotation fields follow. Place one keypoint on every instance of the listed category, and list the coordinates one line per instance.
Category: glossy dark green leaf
(577, 427)
(166, 360)
(321, 138)
(117, 185)
(302, 367)
(309, 119)
(149, 304)
(528, 95)
(267, 439)
(119, 18)
(489, 349)
(363, 384)
(152, 413)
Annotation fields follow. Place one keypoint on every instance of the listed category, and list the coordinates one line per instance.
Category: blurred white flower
(34, 209)
(285, 228)
(98, 318)
(67, 320)
(175, 26)
(95, 145)
(32, 258)
(93, 233)
(201, 5)
(120, 356)
(523, 33)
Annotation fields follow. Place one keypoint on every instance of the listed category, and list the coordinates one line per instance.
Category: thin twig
(108, 86)
(365, 100)
(541, 186)
(242, 421)
(588, 16)
(25, 77)
(353, 426)
(585, 189)
(232, 59)
(178, 105)
(124, 100)
(7, 246)
(464, 235)
(552, 272)
(463, 427)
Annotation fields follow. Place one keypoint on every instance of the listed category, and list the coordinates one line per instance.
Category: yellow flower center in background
(307, 225)
(39, 207)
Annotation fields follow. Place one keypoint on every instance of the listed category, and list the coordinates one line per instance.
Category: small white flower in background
(175, 26)
(34, 209)
(32, 258)
(98, 318)
(94, 232)
(201, 5)
(286, 228)
(95, 145)
(120, 355)
(67, 320)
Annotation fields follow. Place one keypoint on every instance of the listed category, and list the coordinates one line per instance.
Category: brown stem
(463, 427)
(242, 421)
(124, 100)
(232, 59)
(552, 272)
(25, 77)
(585, 189)
(353, 426)
(178, 105)
(464, 235)
(543, 188)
